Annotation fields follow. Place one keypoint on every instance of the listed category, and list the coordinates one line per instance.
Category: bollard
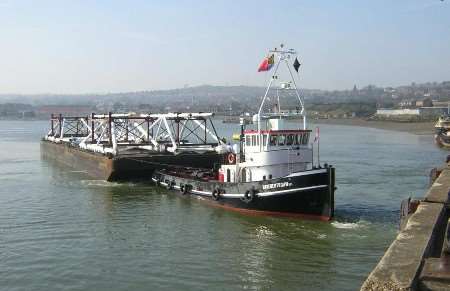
(413, 204)
(407, 207)
(434, 174)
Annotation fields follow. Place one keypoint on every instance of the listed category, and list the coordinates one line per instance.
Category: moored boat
(442, 132)
(273, 172)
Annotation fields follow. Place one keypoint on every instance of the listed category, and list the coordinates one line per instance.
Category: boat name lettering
(276, 185)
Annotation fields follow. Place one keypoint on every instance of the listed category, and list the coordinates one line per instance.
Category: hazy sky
(116, 46)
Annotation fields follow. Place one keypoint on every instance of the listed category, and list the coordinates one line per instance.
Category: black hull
(129, 165)
(308, 194)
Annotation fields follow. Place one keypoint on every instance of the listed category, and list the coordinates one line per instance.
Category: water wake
(102, 183)
(349, 225)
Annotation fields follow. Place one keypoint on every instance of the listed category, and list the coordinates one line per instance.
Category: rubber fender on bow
(187, 189)
(250, 195)
(171, 184)
(216, 194)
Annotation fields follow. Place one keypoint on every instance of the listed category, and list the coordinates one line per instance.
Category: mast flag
(296, 64)
(267, 64)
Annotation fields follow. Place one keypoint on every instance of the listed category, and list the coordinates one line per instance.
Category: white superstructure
(271, 150)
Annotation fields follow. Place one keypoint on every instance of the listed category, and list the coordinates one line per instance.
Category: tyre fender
(186, 189)
(216, 194)
(250, 195)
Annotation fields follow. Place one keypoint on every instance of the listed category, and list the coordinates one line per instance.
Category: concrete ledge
(401, 264)
(438, 192)
(437, 270)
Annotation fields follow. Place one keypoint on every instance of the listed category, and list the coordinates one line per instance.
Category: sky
(121, 46)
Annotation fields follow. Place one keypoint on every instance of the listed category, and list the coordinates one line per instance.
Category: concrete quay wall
(418, 259)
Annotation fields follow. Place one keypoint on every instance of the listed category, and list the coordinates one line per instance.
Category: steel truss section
(107, 133)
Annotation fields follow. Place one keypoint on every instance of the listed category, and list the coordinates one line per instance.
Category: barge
(131, 146)
(273, 172)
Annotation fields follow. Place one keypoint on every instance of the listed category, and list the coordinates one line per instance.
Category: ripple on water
(103, 183)
(350, 225)
(61, 229)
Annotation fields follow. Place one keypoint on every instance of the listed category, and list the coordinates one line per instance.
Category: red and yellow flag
(266, 64)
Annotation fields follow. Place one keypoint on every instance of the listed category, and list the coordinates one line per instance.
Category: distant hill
(207, 95)
(201, 93)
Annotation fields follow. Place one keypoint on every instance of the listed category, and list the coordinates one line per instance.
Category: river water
(61, 230)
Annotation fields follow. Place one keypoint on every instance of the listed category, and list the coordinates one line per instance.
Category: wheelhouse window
(253, 140)
(248, 141)
(290, 139)
(281, 139)
(306, 138)
(273, 140)
(297, 138)
(265, 137)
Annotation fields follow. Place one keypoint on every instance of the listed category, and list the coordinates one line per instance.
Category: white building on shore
(419, 112)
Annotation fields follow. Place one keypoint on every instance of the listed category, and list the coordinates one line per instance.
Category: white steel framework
(109, 133)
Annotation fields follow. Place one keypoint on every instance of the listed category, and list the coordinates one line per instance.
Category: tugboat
(441, 132)
(273, 171)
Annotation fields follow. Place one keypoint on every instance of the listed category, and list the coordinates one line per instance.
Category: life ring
(216, 194)
(231, 158)
(249, 195)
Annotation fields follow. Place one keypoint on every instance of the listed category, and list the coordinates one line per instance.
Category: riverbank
(420, 128)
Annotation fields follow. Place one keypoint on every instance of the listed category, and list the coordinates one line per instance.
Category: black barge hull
(128, 165)
(308, 194)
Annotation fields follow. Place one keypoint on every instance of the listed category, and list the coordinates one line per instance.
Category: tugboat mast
(281, 56)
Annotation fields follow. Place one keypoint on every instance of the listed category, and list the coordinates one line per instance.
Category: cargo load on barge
(131, 146)
(274, 171)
